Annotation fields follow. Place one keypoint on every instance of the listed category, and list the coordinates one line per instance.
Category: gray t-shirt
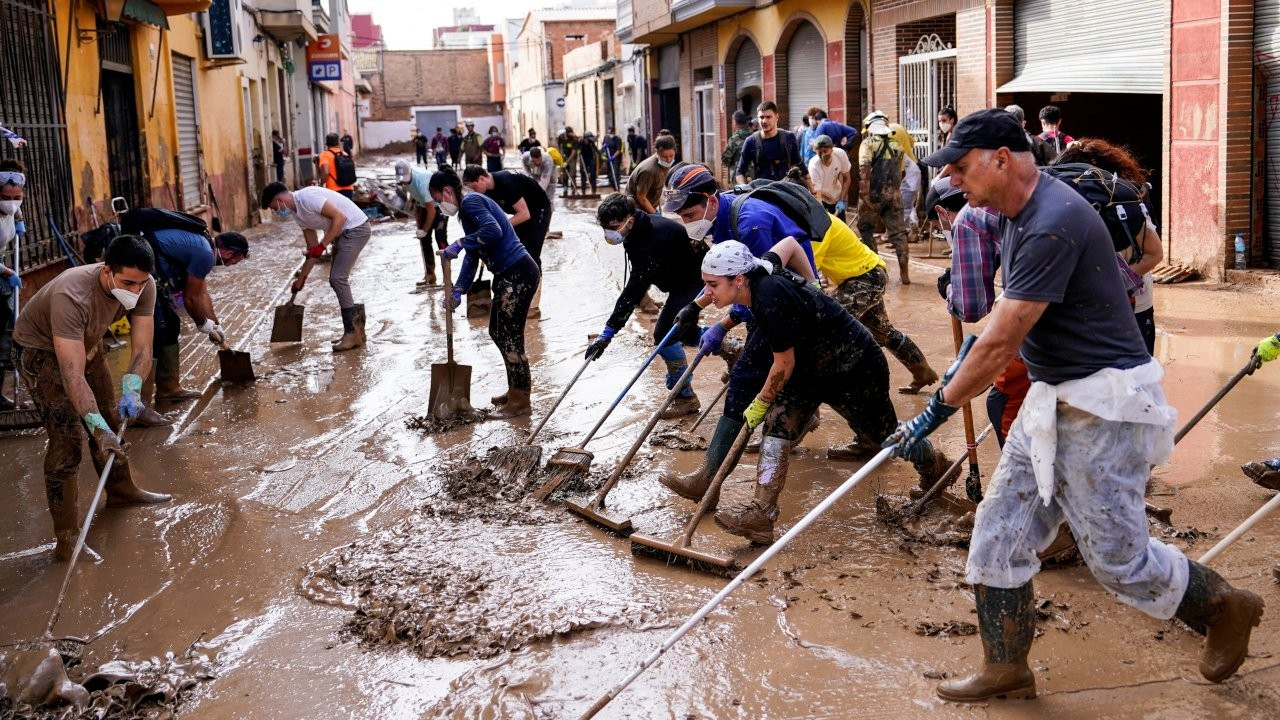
(1058, 250)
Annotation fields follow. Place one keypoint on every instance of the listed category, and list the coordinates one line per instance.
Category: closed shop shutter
(669, 66)
(1114, 47)
(184, 100)
(1266, 46)
(746, 68)
(806, 73)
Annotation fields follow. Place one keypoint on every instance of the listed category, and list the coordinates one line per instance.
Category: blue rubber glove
(1269, 348)
(597, 346)
(909, 435)
(754, 414)
(14, 281)
(452, 251)
(20, 227)
(840, 206)
(740, 314)
(130, 405)
(452, 301)
(712, 339)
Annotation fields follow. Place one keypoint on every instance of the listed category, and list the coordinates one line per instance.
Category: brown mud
(312, 472)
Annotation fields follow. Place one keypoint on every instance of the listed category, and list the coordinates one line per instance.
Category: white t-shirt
(309, 202)
(826, 178)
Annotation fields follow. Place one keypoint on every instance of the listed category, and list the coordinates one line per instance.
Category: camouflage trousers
(863, 298)
(888, 211)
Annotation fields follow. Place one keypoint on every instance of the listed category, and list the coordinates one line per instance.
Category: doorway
(125, 158)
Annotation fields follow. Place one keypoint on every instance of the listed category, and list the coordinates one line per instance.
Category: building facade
(408, 96)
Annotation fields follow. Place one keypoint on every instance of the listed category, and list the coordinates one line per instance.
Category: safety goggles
(9, 177)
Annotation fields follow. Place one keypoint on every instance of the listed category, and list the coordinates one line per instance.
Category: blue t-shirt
(842, 135)
(182, 254)
(1058, 250)
(760, 226)
(488, 236)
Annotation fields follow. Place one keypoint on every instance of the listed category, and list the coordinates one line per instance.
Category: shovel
(287, 326)
(450, 382)
(234, 365)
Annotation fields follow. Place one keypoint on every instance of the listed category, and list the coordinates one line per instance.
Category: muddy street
(334, 561)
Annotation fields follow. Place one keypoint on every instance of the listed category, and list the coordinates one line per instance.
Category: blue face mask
(284, 213)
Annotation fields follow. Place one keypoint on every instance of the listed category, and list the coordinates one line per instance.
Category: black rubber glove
(910, 435)
(687, 318)
(944, 281)
(597, 346)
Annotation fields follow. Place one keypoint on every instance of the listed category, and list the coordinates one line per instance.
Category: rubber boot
(358, 320)
(1006, 623)
(122, 491)
(168, 376)
(500, 399)
(1225, 614)
(686, 403)
(350, 339)
(754, 521)
(535, 309)
(694, 485)
(908, 353)
(150, 417)
(862, 449)
(517, 405)
(813, 423)
(1263, 473)
(61, 495)
(903, 252)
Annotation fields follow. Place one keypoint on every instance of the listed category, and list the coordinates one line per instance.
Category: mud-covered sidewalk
(334, 562)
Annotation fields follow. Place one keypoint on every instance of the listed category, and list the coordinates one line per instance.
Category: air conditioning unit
(222, 30)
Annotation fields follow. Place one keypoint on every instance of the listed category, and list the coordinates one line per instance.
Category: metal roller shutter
(184, 101)
(669, 66)
(806, 73)
(1114, 47)
(1266, 47)
(746, 68)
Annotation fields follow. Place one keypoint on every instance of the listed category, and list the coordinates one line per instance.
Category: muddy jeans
(863, 298)
(889, 211)
(440, 231)
(6, 326)
(345, 251)
(860, 394)
(513, 291)
(64, 429)
(1101, 474)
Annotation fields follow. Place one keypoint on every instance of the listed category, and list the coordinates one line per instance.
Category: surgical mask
(944, 127)
(127, 299)
(10, 207)
(284, 213)
(448, 208)
(665, 164)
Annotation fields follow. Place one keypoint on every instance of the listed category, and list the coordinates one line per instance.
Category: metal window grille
(926, 84)
(32, 105)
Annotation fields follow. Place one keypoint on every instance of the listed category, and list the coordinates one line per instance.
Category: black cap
(989, 129)
(942, 192)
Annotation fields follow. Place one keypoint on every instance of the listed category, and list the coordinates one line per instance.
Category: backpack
(886, 170)
(789, 143)
(795, 201)
(141, 220)
(344, 169)
(1118, 201)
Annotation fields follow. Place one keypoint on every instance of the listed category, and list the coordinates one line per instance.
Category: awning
(145, 11)
(1116, 47)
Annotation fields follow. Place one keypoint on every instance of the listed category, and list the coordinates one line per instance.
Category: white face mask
(944, 126)
(698, 229)
(10, 207)
(665, 164)
(616, 237)
(127, 299)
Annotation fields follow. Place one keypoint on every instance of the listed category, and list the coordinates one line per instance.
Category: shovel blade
(450, 391)
(235, 366)
(287, 326)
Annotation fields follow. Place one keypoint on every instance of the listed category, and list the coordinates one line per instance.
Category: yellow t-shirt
(842, 255)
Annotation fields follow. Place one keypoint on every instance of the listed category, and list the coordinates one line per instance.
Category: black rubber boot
(694, 485)
(1006, 623)
(1225, 614)
(351, 337)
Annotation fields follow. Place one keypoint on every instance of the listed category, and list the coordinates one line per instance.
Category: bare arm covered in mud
(998, 344)
(793, 257)
(141, 330)
(779, 373)
(70, 354)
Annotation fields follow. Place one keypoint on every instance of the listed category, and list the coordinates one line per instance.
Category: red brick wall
(835, 80)
(412, 77)
(556, 31)
(972, 89)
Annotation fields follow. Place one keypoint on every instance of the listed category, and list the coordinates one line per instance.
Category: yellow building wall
(86, 132)
(767, 24)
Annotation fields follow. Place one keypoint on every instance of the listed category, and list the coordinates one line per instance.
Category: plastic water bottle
(1240, 251)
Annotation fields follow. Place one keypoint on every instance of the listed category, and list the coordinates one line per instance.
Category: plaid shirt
(975, 255)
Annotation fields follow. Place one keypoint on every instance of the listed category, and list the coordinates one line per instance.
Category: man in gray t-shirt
(1093, 423)
(1057, 250)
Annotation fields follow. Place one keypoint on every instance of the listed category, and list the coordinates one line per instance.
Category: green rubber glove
(1269, 348)
(754, 414)
(95, 421)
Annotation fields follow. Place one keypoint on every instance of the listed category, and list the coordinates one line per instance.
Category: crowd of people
(1075, 396)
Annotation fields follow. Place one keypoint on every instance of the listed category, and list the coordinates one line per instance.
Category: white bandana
(731, 258)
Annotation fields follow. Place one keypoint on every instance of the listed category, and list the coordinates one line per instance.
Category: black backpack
(790, 148)
(886, 170)
(141, 220)
(344, 169)
(1118, 201)
(795, 201)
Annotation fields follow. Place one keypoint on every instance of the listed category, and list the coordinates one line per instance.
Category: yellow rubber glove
(754, 414)
(1269, 348)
